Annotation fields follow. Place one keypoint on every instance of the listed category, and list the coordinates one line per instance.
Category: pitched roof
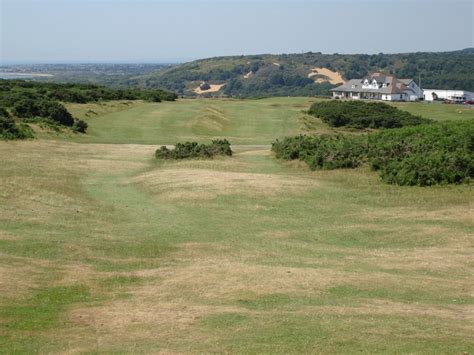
(392, 85)
(406, 81)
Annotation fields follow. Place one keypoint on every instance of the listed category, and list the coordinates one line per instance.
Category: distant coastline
(11, 75)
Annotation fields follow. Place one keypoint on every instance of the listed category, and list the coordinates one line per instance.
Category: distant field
(105, 250)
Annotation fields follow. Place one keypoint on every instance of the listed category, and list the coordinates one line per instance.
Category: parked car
(469, 102)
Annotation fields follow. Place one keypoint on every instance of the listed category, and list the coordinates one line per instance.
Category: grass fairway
(103, 249)
(240, 121)
(438, 111)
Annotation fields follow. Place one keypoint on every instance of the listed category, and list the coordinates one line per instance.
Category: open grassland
(104, 249)
(438, 111)
(240, 121)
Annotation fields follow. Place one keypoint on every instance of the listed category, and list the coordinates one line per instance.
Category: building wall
(447, 94)
(357, 96)
(394, 97)
(417, 90)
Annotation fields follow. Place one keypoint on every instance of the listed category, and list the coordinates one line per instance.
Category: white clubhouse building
(379, 87)
(448, 95)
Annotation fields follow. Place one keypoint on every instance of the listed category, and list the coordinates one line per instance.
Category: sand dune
(213, 88)
(325, 74)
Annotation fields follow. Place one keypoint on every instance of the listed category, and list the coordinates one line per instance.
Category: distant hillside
(308, 73)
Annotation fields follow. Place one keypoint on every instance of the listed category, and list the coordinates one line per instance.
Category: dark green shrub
(205, 86)
(57, 112)
(323, 152)
(80, 126)
(29, 108)
(361, 114)
(438, 153)
(10, 130)
(441, 153)
(26, 108)
(194, 150)
(11, 91)
(4, 112)
(220, 147)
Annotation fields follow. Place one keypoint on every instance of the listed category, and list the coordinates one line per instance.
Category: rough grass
(103, 249)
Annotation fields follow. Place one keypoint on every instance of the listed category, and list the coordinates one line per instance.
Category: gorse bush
(439, 153)
(13, 90)
(10, 130)
(361, 114)
(194, 150)
(80, 126)
(29, 108)
(323, 152)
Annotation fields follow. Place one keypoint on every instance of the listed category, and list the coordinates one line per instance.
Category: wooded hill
(301, 74)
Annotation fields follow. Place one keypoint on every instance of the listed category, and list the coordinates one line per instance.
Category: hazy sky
(160, 31)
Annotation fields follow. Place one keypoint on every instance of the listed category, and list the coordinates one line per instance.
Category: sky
(72, 31)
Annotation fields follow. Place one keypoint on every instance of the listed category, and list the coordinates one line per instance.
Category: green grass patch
(419, 295)
(43, 311)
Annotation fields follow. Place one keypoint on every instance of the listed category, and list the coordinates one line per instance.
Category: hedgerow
(361, 114)
(439, 153)
(194, 150)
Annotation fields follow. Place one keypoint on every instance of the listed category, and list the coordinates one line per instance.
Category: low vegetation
(323, 152)
(361, 114)
(40, 102)
(9, 129)
(439, 153)
(13, 90)
(42, 108)
(195, 150)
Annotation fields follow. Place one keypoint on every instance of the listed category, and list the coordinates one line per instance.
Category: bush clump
(323, 152)
(29, 108)
(439, 153)
(195, 150)
(10, 130)
(80, 126)
(361, 114)
(205, 86)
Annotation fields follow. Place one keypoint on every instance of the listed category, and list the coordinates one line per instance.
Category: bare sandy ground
(213, 88)
(332, 76)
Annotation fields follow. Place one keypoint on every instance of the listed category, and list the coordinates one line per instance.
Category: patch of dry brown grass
(179, 184)
(200, 279)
